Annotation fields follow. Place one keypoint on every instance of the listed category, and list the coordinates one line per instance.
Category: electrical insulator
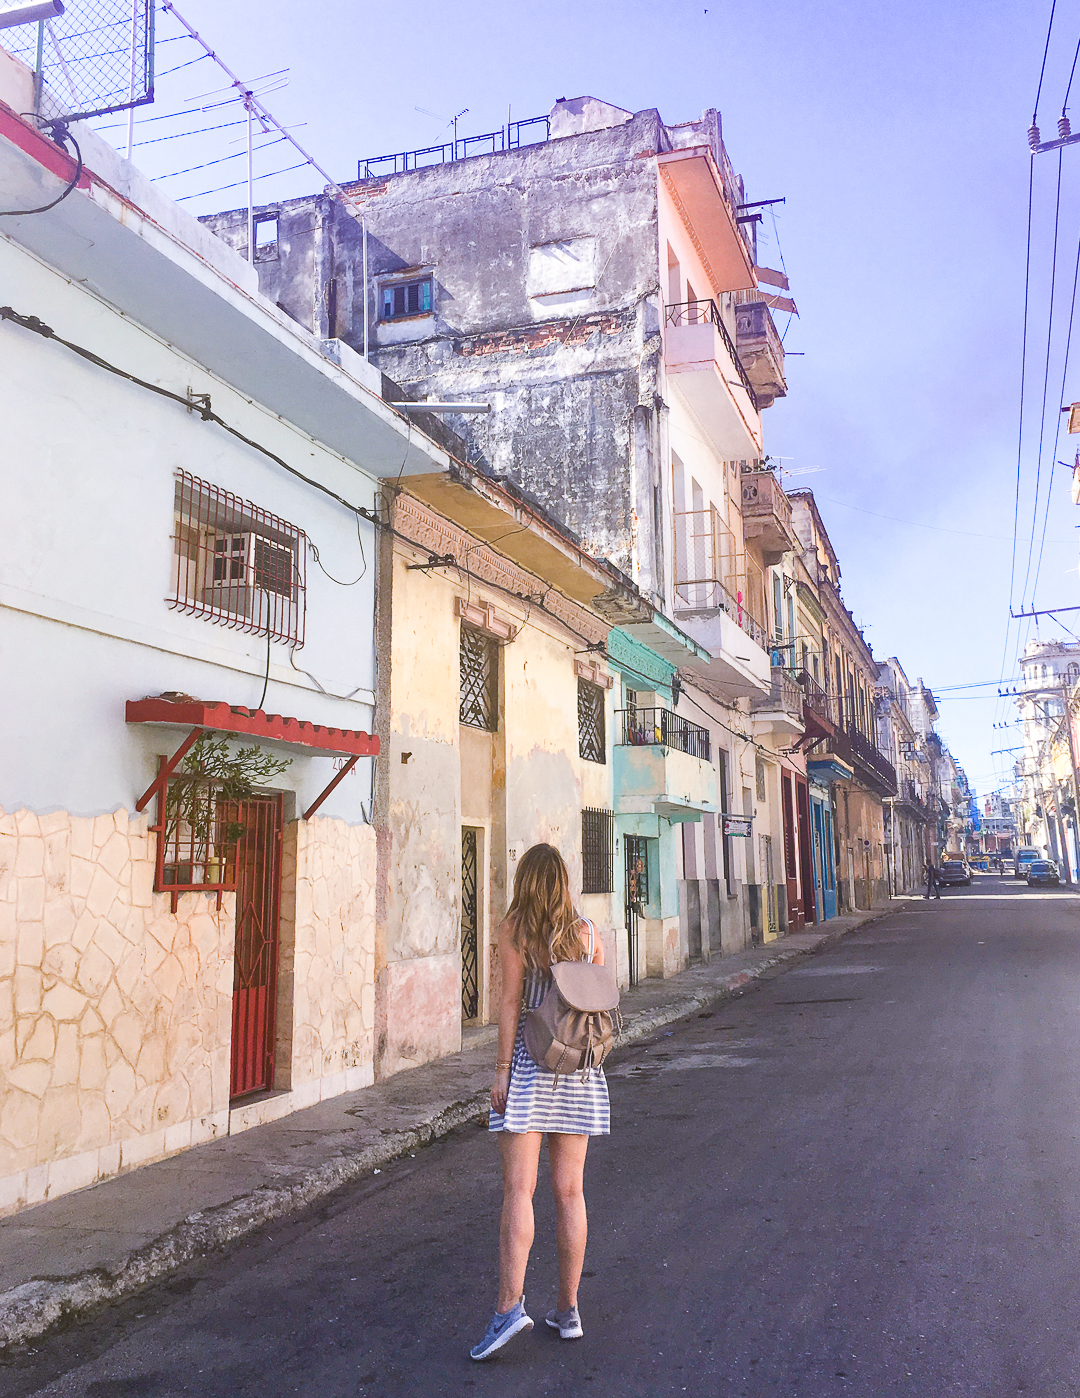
(1064, 129)
(1033, 137)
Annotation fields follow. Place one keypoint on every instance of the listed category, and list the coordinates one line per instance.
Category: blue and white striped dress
(535, 1101)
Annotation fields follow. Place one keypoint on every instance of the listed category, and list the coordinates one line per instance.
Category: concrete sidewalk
(65, 1257)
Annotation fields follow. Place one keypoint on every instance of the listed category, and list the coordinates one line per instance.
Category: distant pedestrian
(932, 882)
(541, 928)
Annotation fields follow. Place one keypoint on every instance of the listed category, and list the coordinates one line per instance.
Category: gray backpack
(575, 1024)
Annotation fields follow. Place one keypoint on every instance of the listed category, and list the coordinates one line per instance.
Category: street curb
(31, 1310)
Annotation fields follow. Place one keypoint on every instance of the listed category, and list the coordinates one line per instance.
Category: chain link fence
(97, 57)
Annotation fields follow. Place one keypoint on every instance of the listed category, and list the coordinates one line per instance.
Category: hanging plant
(210, 776)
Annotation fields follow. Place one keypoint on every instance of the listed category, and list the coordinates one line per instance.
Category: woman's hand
(499, 1088)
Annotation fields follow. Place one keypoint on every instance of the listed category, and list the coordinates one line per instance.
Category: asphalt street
(859, 1178)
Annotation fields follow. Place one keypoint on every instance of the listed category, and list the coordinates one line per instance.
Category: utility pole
(1071, 738)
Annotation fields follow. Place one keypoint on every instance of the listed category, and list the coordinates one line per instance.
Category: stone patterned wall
(326, 962)
(115, 1015)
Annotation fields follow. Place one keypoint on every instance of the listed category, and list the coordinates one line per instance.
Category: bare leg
(520, 1156)
(567, 1156)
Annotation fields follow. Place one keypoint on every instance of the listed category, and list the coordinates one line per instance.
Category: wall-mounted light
(30, 13)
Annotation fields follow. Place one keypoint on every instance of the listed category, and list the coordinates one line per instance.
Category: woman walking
(540, 929)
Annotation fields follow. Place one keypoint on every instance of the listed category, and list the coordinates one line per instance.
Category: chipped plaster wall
(418, 970)
(573, 379)
(523, 784)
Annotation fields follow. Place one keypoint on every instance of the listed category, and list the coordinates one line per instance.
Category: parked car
(954, 871)
(1042, 871)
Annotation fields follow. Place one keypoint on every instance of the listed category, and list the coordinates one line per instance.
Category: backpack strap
(592, 942)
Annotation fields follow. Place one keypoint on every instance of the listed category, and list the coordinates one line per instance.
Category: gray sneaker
(503, 1326)
(567, 1323)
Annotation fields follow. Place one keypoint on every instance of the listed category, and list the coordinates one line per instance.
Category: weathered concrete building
(495, 714)
(850, 760)
(599, 289)
(910, 814)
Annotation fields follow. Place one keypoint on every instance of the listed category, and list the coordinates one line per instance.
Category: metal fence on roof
(96, 57)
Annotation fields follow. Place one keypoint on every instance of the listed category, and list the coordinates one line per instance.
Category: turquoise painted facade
(656, 788)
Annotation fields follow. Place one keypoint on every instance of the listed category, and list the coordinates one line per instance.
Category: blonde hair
(545, 920)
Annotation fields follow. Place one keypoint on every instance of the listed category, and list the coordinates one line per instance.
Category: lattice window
(597, 850)
(479, 704)
(470, 927)
(235, 564)
(592, 737)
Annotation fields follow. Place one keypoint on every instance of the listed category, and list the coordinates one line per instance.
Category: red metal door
(806, 854)
(258, 913)
(795, 910)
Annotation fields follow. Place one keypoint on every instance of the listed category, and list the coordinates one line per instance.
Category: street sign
(740, 826)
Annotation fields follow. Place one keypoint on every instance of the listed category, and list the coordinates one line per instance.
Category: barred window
(597, 850)
(479, 704)
(592, 739)
(236, 564)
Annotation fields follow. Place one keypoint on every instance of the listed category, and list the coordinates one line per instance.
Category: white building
(198, 533)
(1049, 671)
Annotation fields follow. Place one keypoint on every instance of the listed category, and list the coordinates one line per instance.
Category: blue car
(1042, 871)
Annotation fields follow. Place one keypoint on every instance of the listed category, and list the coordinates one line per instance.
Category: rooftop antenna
(257, 111)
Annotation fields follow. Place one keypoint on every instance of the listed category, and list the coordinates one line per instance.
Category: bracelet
(503, 1065)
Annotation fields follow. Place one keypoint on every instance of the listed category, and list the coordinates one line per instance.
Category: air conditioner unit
(241, 567)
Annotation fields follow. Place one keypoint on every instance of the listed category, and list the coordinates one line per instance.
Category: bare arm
(513, 982)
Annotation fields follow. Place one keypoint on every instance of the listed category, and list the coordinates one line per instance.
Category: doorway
(791, 877)
(258, 915)
(470, 925)
(636, 850)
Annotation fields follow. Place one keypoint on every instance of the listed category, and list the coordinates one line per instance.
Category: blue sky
(897, 134)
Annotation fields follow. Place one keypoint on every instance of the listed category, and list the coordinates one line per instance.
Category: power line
(221, 160)
(238, 183)
(1046, 379)
(1057, 429)
(1042, 70)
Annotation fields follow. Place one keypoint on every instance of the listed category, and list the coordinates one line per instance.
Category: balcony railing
(856, 747)
(707, 312)
(761, 348)
(785, 695)
(517, 133)
(711, 576)
(647, 727)
(908, 795)
(817, 700)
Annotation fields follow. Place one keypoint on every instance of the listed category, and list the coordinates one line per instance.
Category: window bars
(196, 839)
(237, 565)
(479, 700)
(592, 738)
(97, 57)
(597, 850)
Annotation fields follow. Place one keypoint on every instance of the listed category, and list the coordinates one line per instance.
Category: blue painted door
(824, 872)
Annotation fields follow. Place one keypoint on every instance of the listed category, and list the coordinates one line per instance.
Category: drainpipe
(363, 228)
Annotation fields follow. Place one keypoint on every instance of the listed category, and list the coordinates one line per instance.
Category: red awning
(213, 716)
(219, 717)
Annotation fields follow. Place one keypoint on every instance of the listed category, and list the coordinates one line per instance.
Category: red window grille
(196, 839)
(235, 564)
